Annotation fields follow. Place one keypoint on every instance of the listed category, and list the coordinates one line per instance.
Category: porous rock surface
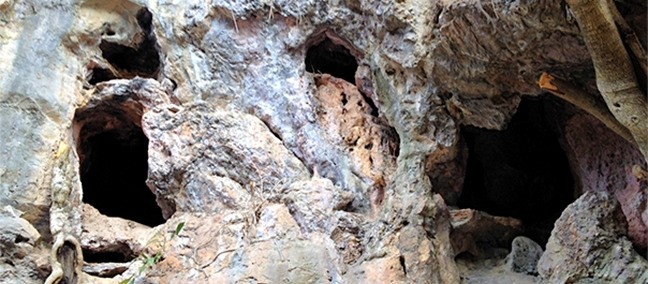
(589, 243)
(610, 169)
(524, 255)
(278, 174)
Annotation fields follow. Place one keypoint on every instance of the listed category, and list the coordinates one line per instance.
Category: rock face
(477, 233)
(610, 169)
(300, 142)
(201, 152)
(351, 121)
(22, 259)
(272, 247)
(589, 243)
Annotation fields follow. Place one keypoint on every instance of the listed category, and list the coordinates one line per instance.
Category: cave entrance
(331, 58)
(521, 172)
(113, 153)
(142, 60)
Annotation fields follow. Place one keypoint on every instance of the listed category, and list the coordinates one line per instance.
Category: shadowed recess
(143, 61)
(101, 75)
(67, 257)
(521, 172)
(114, 168)
(327, 57)
(119, 253)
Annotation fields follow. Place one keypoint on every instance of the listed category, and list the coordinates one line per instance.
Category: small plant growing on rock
(150, 260)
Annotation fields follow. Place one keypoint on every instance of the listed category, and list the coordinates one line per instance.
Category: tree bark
(615, 77)
(585, 101)
(630, 38)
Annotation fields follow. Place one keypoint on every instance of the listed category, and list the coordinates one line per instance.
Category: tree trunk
(615, 77)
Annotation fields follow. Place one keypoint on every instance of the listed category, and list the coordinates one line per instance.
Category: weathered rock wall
(278, 174)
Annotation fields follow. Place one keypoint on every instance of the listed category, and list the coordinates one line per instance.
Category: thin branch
(584, 101)
(234, 20)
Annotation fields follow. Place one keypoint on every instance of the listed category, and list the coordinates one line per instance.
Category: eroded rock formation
(308, 142)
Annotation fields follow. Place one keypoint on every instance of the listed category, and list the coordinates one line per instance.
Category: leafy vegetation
(150, 260)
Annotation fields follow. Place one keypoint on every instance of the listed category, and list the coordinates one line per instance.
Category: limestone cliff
(346, 141)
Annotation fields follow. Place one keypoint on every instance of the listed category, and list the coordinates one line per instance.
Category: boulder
(589, 244)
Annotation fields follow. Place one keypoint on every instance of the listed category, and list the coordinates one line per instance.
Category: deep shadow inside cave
(116, 253)
(114, 169)
(101, 75)
(330, 58)
(521, 172)
(143, 61)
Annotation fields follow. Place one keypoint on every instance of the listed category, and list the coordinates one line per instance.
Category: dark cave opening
(114, 168)
(117, 253)
(101, 75)
(520, 172)
(330, 58)
(143, 61)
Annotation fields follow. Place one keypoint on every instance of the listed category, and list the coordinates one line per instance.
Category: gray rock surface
(198, 151)
(22, 257)
(524, 256)
(589, 244)
(278, 173)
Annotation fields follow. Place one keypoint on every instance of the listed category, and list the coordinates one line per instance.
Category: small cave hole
(394, 146)
(520, 172)
(372, 105)
(120, 253)
(402, 263)
(330, 58)
(142, 61)
(101, 75)
(20, 239)
(113, 153)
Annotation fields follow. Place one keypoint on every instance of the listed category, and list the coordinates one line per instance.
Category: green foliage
(149, 261)
(178, 229)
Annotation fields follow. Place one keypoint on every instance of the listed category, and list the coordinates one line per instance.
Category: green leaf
(142, 268)
(178, 229)
(150, 262)
(127, 280)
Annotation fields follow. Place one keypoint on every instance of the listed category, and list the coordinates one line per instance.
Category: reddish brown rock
(350, 121)
(447, 172)
(107, 235)
(239, 247)
(478, 233)
(379, 270)
(603, 161)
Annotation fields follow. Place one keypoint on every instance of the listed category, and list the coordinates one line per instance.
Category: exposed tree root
(584, 101)
(615, 76)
